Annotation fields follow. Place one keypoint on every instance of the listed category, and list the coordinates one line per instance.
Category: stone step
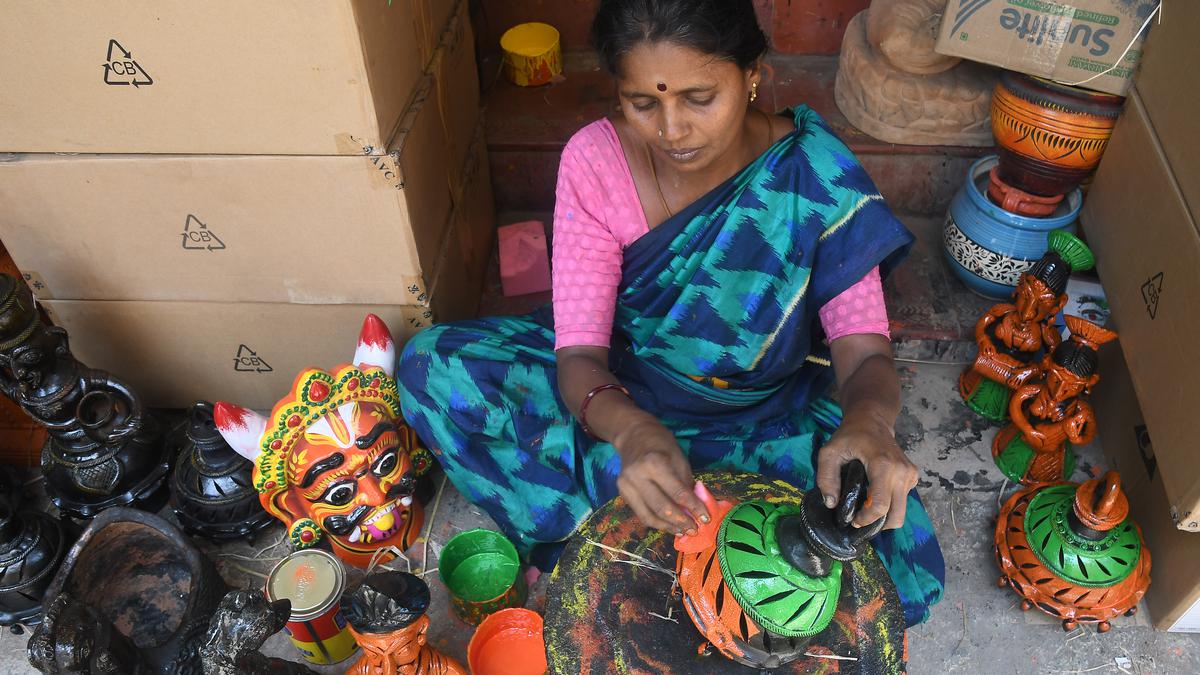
(527, 128)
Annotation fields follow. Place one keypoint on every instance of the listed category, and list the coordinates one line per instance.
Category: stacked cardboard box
(1141, 218)
(258, 178)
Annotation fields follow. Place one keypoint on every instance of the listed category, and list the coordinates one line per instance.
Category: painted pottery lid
(1056, 533)
(386, 602)
(1071, 249)
(311, 579)
(779, 597)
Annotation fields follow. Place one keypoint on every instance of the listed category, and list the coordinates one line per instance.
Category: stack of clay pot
(1050, 138)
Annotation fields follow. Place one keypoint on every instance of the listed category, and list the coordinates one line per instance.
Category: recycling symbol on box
(248, 361)
(120, 67)
(198, 237)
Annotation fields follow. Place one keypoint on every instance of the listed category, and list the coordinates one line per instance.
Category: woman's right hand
(656, 479)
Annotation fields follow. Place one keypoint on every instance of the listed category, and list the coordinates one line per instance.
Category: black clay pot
(31, 548)
(212, 493)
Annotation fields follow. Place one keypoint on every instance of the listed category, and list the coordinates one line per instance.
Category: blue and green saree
(716, 333)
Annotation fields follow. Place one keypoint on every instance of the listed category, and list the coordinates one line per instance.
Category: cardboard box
(1173, 599)
(175, 353)
(456, 87)
(1147, 253)
(215, 77)
(252, 228)
(1166, 83)
(1063, 41)
(434, 17)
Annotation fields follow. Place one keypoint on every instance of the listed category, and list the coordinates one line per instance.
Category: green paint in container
(482, 571)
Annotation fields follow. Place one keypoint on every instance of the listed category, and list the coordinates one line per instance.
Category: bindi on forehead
(662, 86)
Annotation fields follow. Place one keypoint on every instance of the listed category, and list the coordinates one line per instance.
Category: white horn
(241, 428)
(376, 349)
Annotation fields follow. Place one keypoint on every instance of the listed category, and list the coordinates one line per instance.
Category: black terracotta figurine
(243, 622)
(104, 450)
(212, 488)
(32, 545)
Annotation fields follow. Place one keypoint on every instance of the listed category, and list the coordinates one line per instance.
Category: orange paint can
(508, 642)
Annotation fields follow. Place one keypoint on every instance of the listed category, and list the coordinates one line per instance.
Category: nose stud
(660, 133)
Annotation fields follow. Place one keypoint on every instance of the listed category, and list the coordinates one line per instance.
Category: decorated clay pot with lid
(212, 486)
(1073, 552)
(1051, 136)
(761, 579)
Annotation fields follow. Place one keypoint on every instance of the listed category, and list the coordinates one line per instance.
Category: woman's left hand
(890, 473)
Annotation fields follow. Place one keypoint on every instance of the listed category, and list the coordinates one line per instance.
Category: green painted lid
(779, 597)
(1071, 249)
(1081, 561)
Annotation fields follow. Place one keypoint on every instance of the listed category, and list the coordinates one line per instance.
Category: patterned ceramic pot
(989, 248)
(1051, 136)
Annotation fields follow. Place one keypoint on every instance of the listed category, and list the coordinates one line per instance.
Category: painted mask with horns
(335, 459)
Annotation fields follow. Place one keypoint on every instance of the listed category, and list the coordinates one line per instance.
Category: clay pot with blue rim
(989, 248)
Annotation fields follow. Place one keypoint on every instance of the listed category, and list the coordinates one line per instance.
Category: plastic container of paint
(482, 571)
(532, 54)
(508, 642)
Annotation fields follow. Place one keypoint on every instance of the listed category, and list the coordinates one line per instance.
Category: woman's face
(697, 101)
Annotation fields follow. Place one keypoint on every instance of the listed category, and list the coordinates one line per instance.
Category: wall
(792, 26)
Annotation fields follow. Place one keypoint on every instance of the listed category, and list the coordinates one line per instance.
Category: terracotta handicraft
(212, 487)
(1051, 136)
(1049, 416)
(242, 623)
(387, 616)
(761, 579)
(989, 248)
(103, 449)
(1073, 552)
(132, 592)
(1013, 337)
(334, 460)
(32, 545)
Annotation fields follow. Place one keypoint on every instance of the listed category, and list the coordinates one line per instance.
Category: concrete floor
(977, 628)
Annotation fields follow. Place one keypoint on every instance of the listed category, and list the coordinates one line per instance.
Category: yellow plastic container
(532, 54)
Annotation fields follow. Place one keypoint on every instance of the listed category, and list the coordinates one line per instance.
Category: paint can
(482, 571)
(313, 581)
(508, 642)
(532, 54)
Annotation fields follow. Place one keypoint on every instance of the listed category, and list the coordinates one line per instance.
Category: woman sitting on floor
(711, 263)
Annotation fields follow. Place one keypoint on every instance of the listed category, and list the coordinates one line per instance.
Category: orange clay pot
(1051, 136)
(1072, 551)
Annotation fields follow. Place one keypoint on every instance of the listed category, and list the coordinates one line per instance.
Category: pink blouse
(597, 214)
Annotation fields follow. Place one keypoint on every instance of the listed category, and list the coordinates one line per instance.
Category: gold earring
(753, 92)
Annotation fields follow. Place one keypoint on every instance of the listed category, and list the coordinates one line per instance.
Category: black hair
(1079, 359)
(1053, 271)
(726, 29)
